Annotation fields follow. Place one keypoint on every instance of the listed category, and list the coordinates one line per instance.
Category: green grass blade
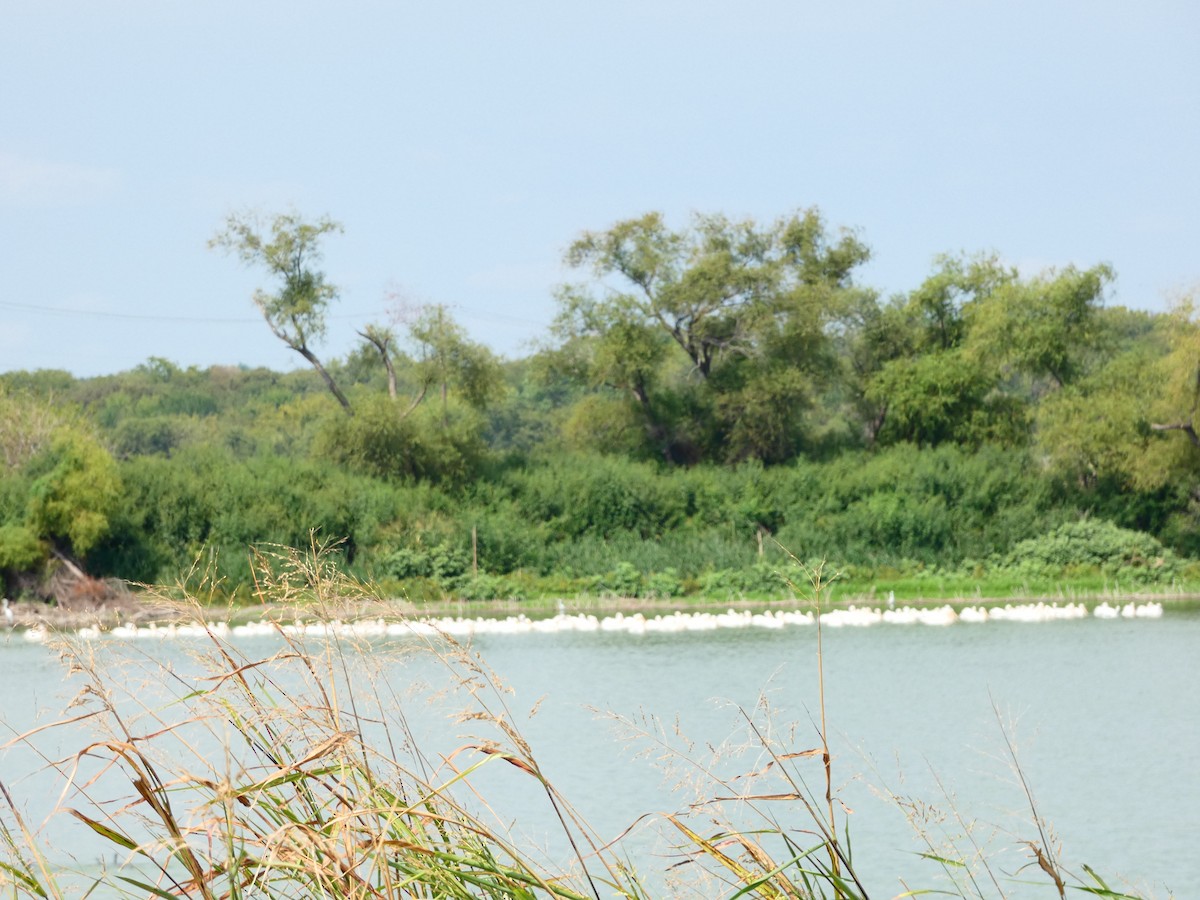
(105, 832)
(25, 878)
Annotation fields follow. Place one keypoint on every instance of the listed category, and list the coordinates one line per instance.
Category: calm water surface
(1105, 716)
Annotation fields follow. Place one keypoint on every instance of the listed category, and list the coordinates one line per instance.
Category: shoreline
(134, 611)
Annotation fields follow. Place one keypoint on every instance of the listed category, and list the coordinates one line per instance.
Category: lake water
(1105, 716)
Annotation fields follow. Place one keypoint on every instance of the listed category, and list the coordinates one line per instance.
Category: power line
(468, 312)
(147, 317)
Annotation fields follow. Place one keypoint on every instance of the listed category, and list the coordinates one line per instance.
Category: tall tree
(1133, 419)
(978, 345)
(289, 249)
(927, 388)
(749, 307)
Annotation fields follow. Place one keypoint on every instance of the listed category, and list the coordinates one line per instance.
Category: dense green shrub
(689, 552)
(664, 585)
(489, 587)
(761, 579)
(379, 440)
(148, 436)
(932, 506)
(623, 581)
(593, 495)
(206, 502)
(1096, 544)
(505, 540)
(582, 518)
(439, 563)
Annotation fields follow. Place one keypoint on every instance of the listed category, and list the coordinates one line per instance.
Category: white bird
(8, 613)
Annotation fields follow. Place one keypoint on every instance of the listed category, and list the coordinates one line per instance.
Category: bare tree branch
(1185, 427)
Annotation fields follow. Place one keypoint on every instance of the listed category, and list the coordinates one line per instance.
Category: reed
(318, 788)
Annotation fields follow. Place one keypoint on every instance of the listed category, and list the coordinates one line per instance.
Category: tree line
(701, 387)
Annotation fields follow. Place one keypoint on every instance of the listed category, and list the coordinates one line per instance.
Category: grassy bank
(367, 610)
(536, 599)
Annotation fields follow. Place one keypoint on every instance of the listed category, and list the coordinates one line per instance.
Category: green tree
(1128, 425)
(288, 248)
(750, 308)
(942, 306)
(974, 347)
(75, 487)
(608, 344)
(27, 425)
(874, 334)
(1174, 405)
(415, 440)
(1134, 418)
(447, 359)
(1043, 327)
(944, 397)
(926, 388)
(604, 420)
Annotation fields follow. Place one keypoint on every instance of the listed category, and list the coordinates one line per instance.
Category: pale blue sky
(464, 145)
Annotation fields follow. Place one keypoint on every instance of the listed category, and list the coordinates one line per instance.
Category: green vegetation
(705, 395)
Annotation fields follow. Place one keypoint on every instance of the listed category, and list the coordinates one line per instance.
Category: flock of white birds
(635, 623)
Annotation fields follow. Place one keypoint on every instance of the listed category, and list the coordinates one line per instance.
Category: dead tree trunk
(329, 382)
(381, 345)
